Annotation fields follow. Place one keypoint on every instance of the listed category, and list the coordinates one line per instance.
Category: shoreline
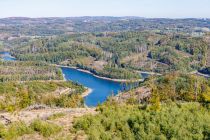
(87, 92)
(201, 74)
(84, 94)
(150, 73)
(104, 78)
(64, 78)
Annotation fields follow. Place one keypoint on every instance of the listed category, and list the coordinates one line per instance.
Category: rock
(5, 120)
(36, 107)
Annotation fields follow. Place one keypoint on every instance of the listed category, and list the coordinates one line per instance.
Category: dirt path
(65, 121)
(29, 115)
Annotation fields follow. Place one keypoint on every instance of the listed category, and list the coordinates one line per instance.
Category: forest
(173, 121)
(172, 102)
(28, 71)
(16, 96)
(123, 52)
(57, 26)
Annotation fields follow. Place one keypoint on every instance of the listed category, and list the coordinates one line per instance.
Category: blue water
(6, 56)
(101, 88)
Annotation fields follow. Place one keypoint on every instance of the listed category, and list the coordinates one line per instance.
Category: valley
(104, 78)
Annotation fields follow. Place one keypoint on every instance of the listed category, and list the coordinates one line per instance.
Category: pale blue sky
(71, 8)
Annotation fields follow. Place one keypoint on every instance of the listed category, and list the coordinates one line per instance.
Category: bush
(14, 130)
(2, 131)
(172, 121)
(45, 128)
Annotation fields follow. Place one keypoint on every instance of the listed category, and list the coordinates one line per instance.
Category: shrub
(45, 128)
(14, 130)
(2, 131)
(171, 121)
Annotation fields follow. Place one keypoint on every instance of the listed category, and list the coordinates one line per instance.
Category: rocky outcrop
(140, 95)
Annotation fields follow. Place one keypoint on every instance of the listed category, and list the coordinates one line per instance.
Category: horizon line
(104, 16)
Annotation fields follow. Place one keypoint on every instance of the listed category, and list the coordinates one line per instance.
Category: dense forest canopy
(173, 121)
(101, 44)
(125, 52)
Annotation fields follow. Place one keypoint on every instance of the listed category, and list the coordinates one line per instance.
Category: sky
(75, 8)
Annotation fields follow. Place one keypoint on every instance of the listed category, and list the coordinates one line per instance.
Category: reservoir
(101, 88)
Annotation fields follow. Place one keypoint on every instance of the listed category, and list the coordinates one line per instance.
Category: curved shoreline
(204, 75)
(84, 94)
(105, 78)
(87, 92)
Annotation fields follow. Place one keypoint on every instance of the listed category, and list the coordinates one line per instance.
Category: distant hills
(58, 25)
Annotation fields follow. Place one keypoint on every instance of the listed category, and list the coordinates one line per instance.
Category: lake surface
(6, 56)
(101, 88)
